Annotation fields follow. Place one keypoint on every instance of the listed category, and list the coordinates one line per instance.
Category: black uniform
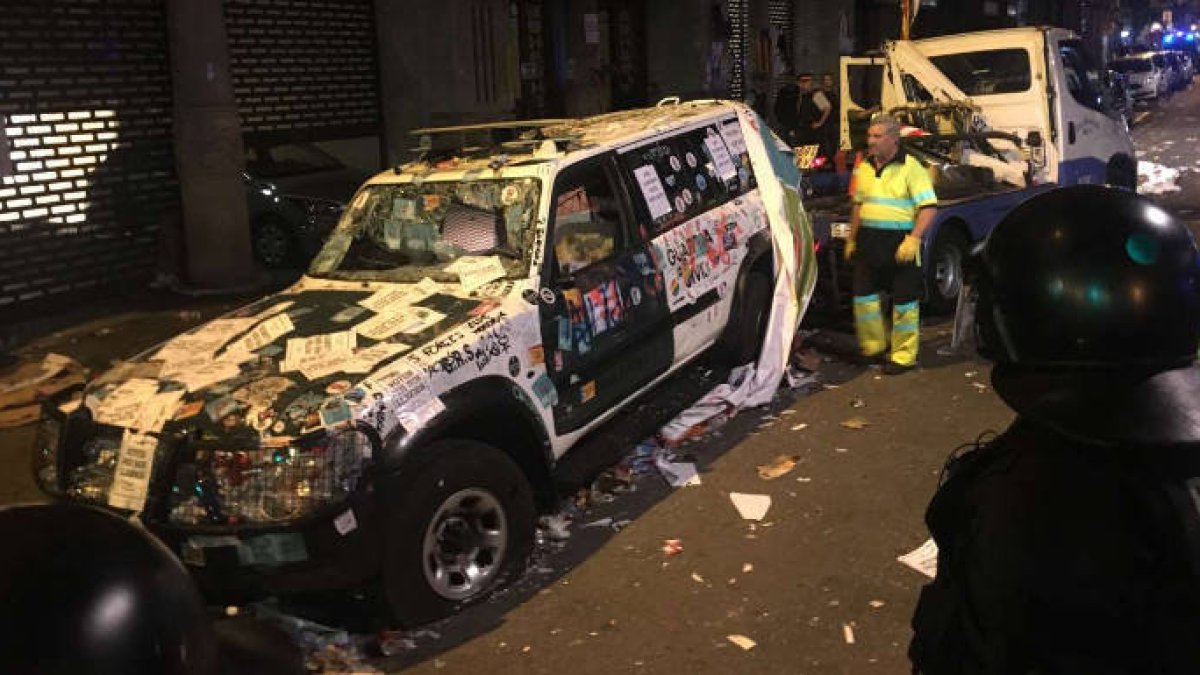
(1071, 543)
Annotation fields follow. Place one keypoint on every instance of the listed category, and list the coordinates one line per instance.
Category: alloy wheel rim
(465, 544)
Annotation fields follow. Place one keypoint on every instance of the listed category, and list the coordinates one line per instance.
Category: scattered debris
(603, 522)
(841, 450)
(326, 649)
(672, 546)
(876, 604)
(742, 641)
(923, 559)
(848, 633)
(970, 373)
(855, 423)
(25, 388)
(780, 466)
(677, 474)
(1156, 179)
(747, 568)
(803, 479)
(751, 507)
(555, 527)
(800, 427)
(857, 402)
(980, 386)
(697, 578)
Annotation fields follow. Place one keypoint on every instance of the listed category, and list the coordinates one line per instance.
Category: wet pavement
(815, 584)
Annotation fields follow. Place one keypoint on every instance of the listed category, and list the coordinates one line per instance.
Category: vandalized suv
(400, 411)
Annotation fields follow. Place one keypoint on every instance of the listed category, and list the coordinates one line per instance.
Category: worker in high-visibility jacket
(894, 203)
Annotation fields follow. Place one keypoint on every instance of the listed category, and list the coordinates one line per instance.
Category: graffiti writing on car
(491, 344)
(699, 254)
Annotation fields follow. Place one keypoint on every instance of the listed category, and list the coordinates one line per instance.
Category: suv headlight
(265, 486)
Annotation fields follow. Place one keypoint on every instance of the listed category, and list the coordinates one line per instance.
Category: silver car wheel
(465, 544)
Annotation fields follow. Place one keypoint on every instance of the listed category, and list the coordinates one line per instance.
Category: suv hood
(306, 359)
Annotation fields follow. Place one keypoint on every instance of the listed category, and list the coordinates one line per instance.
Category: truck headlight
(263, 486)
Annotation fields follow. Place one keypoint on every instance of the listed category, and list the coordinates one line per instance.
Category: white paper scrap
(122, 405)
(132, 475)
(720, 154)
(321, 346)
(751, 507)
(475, 271)
(678, 474)
(365, 360)
(741, 641)
(413, 420)
(731, 131)
(406, 294)
(652, 190)
(923, 559)
(264, 334)
(157, 411)
(406, 320)
(345, 523)
(203, 374)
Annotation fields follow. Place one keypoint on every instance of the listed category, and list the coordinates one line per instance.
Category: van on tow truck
(997, 116)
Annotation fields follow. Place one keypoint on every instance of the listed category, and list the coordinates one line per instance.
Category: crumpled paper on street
(23, 389)
(1156, 179)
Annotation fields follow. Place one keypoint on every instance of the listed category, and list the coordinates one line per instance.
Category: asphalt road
(816, 584)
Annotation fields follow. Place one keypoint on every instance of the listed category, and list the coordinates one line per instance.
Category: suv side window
(587, 217)
(1076, 72)
(678, 178)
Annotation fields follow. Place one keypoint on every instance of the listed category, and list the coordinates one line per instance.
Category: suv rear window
(697, 171)
(993, 71)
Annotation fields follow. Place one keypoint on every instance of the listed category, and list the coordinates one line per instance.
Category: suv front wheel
(456, 529)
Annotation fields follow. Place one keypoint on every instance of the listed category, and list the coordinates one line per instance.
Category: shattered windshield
(408, 231)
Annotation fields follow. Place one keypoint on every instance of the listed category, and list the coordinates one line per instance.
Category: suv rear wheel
(747, 325)
(456, 528)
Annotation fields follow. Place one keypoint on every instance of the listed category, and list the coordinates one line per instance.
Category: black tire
(944, 271)
(1122, 172)
(273, 244)
(747, 325)
(428, 510)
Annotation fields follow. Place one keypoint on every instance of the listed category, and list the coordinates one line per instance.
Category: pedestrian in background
(831, 129)
(1071, 543)
(813, 109)
(894, 203)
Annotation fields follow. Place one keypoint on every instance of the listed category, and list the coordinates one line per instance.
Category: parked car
(401, 410)
(295, 193)
(1146, 73)
(1189, 67)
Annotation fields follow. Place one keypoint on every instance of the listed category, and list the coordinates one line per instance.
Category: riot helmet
(88, 592)
(1089, 304)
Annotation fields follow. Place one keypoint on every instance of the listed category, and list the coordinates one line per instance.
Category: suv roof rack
(497, 140)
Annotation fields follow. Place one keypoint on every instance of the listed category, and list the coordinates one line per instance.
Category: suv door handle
(1071, 133)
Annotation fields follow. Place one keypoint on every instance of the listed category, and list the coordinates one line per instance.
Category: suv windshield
(405, 232)
(1131, 66)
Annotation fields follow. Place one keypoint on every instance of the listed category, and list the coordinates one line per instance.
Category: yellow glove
(909, 250)
(848, 252)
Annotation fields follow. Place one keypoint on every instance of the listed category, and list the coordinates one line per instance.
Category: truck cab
(1034, 83)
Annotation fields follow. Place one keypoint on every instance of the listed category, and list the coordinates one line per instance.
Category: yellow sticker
(431, 202)
(587, 392)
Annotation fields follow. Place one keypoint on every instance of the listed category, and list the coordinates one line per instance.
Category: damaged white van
(400, 411)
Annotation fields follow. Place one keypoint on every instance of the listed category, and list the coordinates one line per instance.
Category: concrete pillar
(208, 148)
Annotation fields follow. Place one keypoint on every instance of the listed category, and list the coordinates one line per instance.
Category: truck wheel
(455, 530)
(747, 325)
(1122, 172)
(944, 271)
